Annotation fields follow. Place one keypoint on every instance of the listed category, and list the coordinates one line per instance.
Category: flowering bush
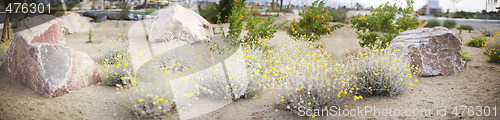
(379, 73)
(115, 62)
(314, 23)
(494, 55)
(148, 99)
(244, 84)
(476, 42)
(466, 57)
(378, 29)
(144, 99)
(306, 77)
(257, 62)
(147, 92)
(493, 48)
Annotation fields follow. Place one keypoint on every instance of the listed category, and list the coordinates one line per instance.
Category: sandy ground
(478, 85)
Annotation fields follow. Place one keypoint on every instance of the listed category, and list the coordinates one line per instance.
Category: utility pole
(486, 10)
(428, 9)
(6, 26)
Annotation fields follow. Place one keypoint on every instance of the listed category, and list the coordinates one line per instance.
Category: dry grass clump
(376, 73)
(306, 77)
(115, 62)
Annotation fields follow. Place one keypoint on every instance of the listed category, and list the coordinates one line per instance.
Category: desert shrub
(493, 48)
(339, 15)
(378, 29)
(315, 22)
(115, 62)
(256, 63)
(494, 55)
(476, 42)
(148, 99)
(487, 33)
(466, 56)
(376, 73)
(449, 24)
(149, 91)
(209, 13)
(307, 77)
(258, 29)
(465, 27)
(242, 84)
(432, 23)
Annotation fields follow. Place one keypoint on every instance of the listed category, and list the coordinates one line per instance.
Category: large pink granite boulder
(39, 59)
(436, 50)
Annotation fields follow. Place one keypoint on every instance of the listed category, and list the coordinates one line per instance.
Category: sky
(465, 5)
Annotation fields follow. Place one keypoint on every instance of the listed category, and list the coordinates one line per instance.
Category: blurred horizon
(462, 5)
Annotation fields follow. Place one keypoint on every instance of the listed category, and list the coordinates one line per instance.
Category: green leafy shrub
(432, 23)
(476, 42)
(339, 15)
(115, 62)
(314, 23)
(449, 24)
(209, 13)
(465, 27)
(307, 77)
(376, 73)
(378, 29)
(258, 29)
(466, 57)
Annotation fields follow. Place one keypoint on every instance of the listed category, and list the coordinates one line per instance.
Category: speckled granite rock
(436, 50)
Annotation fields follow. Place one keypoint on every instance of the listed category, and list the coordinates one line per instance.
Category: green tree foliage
(378, 29)
(314, 23)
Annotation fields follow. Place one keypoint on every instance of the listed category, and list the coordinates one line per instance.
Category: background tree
(358, 6)
(378, 29)
(224, 8)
